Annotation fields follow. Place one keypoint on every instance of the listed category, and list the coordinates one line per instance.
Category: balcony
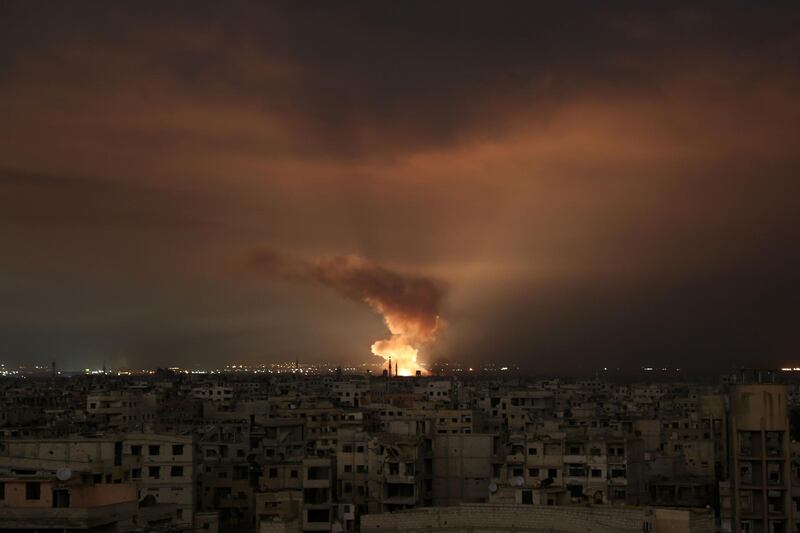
(233, 501)
(400, 500)
(515, 458)
(317, 483)
(400, 478)
(317, 519)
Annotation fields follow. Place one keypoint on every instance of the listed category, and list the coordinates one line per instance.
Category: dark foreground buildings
(331, 451)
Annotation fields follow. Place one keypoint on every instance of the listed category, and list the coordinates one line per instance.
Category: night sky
(574, 186)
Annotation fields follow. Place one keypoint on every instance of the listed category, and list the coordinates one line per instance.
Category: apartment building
(164, 468)
(758, 497)
(121, 409)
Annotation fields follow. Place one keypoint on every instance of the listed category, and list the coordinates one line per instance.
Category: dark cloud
(410, 302)
(608, 183)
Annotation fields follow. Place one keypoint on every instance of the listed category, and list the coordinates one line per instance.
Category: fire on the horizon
(408, 304)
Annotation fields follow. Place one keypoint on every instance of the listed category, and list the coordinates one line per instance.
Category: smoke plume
(409, 304)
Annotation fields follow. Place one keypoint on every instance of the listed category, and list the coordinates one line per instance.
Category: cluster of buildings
(348, 452)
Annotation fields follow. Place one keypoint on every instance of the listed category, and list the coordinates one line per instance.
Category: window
(576, 470)
(532, 451)
(60, 498)
(176, 471)
(533, 472)
(319, 515)
(241, 472)
(361, 469)
(575, 491)
(616, 451)
(774, 443)
(360, 449)
(155, 472)
(552, 473)
(527, 497)
(177, 449)
(746, 473)
(2, 490)
(136, 473)
(273, 472)
(33, 490)
(347, 448)
(136, 449)
(293, 474)
(154, 449)
(774, 472)
(596, 472)
(348, 468)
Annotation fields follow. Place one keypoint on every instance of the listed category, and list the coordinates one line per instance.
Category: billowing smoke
(409, 304)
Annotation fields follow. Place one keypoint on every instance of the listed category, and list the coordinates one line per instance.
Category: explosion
(399, 352)
(409, 305)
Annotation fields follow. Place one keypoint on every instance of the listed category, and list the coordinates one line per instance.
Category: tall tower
(760, 470)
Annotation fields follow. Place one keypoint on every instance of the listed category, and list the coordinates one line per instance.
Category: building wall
(497, 518)
(759, 441)
(462, 469)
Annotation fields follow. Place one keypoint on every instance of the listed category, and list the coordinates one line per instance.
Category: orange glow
(400, 352)
(409, 334)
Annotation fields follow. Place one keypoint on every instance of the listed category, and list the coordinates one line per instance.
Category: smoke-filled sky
(586, 185)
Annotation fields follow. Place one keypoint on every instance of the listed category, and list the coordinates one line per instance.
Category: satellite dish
(517, 481)
(492, 487)
(63, 473)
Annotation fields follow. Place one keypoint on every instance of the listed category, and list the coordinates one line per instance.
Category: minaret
(54, 369)
(390, 366)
